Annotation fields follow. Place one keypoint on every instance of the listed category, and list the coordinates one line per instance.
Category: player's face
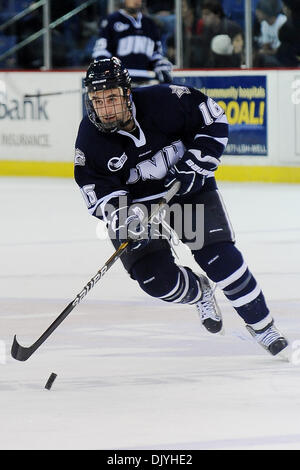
(110, 107)
(238, 44)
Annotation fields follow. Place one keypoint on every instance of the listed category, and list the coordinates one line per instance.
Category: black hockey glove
(191, 171)
(163, 69)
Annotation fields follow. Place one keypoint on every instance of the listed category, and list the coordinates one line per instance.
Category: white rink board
(41, 128)
(47, 129)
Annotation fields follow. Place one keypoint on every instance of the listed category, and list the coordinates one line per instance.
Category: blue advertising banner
(244, 99)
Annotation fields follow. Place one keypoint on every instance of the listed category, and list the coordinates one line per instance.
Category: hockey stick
(22, 353)
(152, 81)
(54, 93)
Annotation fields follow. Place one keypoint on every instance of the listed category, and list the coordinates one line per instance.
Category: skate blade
(219, 333)
(286, 354)
(222, 332)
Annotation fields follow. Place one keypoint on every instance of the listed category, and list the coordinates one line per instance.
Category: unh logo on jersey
(116, 163)
(156, 168)
(135, 44)
(119, 27)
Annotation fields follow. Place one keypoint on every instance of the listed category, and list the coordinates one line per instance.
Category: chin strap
(125, 124)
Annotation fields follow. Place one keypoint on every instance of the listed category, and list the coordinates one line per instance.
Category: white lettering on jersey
(210, 112)
(119, 26)
(135, 45)
(157, 166)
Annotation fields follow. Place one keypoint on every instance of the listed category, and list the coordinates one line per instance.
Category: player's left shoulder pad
(179, 90)
(179, 96)
(188, 94)
(164, 102)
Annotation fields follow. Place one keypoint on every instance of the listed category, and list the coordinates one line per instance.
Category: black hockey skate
(269, 338)
(208, 309)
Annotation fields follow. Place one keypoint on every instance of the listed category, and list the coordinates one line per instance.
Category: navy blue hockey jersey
(170, 119)
(135, 41)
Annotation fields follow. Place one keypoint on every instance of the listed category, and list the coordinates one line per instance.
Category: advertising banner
(244, 99)
(38, 127)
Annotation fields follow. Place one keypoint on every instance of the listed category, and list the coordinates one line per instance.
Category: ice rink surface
(134, 372)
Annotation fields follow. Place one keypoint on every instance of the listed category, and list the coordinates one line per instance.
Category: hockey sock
(159, 276)
(224, 265)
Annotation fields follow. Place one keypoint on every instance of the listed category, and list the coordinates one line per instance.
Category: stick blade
(18, 352)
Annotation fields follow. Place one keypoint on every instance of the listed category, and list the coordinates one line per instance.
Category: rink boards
(38, 133)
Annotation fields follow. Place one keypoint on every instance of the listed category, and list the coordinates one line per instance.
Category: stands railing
(248, 33)
(111, 5)
(45, 31)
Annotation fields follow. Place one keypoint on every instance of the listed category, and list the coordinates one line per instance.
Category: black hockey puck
(50, 381)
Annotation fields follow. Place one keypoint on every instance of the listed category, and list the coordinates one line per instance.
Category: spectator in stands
(235, 10)
(135, 39)
(188, 18)
(238, 44)
(86, 34)
(62, 40)
(162, 12)
(171, 50)
(213, 23)
(223, 53)
(188, 23)
(239, 49)
(288, 53)
(268, 13)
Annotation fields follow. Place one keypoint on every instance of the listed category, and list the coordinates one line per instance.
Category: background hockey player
(135, 39)
(134, 144)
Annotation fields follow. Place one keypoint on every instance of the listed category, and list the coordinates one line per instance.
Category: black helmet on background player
(105, 74)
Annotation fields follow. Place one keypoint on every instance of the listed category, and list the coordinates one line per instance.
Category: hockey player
(135, 39)
(130, 147)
